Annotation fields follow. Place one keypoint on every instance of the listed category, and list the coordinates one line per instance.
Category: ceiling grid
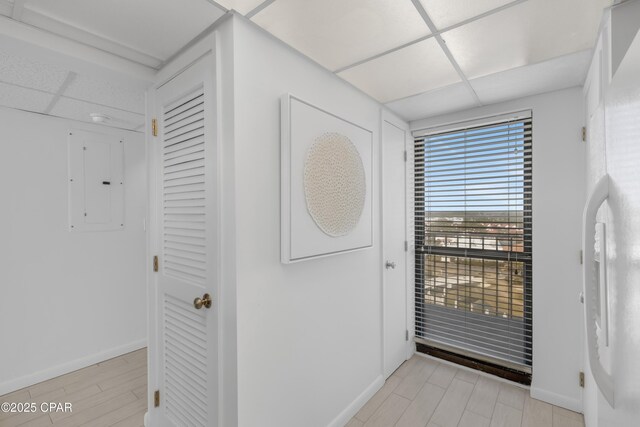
(419, 57)
(444, 30)
(71, 76)
(218, 5)
(487, 24)
(258, 8)
(445, 49)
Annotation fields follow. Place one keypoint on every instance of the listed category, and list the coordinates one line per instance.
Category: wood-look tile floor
(423, 392)
(110, 393)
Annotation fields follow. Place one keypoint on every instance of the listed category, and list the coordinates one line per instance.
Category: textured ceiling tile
(156, 28)
(530, 32)
(434, 103)
(555, 74)
(106, 93)
(29, 73)
(338, 33)
(6, 7)
(418, 68)
(242, 6)
(23, 99)
(445, 13)
(79, 110)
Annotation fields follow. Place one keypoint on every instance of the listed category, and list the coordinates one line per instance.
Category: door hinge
(155, 263)
(581, 257)
(406, 246)
(582, 379)
(405, 155)
(406, 335)
(584, 133)
(154, 127)
(156, 398)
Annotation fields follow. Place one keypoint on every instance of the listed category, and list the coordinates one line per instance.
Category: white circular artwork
(334, 184)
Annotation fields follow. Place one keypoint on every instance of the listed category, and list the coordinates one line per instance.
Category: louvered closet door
(186, 219)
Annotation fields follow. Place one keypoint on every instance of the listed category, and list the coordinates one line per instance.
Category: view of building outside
(489, 286)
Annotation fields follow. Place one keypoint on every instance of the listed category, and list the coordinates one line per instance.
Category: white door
(394, 237)
(184, 352)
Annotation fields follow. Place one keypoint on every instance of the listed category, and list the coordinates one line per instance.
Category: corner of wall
(556, 399)
(352, 409)
(226, 113)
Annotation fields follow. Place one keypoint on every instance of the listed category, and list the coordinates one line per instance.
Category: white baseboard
(65, 368)
(353, 408)
(556, 399)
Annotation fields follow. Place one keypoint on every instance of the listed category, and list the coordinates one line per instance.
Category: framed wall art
(326, 183)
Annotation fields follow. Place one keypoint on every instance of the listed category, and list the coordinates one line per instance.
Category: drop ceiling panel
(418, 68)
(445, 13)
(530, 32)
(80, 110)
(24, 99)
(6, 7)
(338, 33)
(30, 73)
(242, 6)
(71, 32)
(451, 98)
(89, 88)
(157, 28)
(559, 73)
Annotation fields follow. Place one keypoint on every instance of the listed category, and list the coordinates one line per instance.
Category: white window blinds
(473, 194)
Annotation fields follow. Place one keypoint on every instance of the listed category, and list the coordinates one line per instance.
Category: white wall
(309, 334)
(558, 198)
(67, 300)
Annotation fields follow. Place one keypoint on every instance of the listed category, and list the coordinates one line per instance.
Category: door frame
(392, 119)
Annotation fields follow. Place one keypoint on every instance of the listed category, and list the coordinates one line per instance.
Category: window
(473, 240)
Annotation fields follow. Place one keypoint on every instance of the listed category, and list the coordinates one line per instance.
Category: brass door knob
(205, 302)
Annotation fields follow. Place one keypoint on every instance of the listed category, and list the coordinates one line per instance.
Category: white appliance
(596, 291)
(612, 281)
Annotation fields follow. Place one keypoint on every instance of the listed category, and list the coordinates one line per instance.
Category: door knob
(389, 264)
(205, 302)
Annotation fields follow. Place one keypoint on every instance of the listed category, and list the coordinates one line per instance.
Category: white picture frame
(302, 123)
